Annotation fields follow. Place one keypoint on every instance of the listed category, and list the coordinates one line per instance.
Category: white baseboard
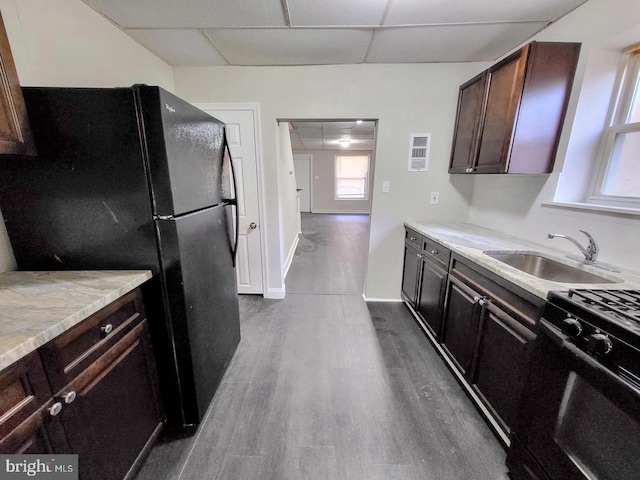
(386, 300)
(347, 212)
(292, 251)
(275, 293)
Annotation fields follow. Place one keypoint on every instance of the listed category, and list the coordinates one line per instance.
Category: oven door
(580, 420)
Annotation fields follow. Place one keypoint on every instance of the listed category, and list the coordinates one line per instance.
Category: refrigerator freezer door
(203, 304)
(185, 151)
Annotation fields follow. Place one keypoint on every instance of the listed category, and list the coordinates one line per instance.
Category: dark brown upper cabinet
(510, 117)
(15, 133)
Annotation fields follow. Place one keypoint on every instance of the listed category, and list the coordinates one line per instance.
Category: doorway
(337, 158)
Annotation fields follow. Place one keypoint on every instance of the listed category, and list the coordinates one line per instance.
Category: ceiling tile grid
(312, 32)
(326, 135)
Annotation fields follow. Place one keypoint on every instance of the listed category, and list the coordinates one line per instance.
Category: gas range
(603, 323)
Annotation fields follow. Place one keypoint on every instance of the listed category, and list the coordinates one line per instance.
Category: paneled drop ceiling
(320, 32)
(326, 135)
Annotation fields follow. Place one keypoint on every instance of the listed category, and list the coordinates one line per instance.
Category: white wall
(404, 98)
(288, 198)
(65, 43)
(323, 190)
(513, 203)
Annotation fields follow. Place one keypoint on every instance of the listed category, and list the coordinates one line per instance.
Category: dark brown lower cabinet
(488, 328)
(432, 294)
(26, 424)
(106, 408)
(115, 411)
(410, 274)
(501, 359)
(461, 322)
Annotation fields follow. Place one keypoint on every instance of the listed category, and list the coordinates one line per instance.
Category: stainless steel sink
(543, 267)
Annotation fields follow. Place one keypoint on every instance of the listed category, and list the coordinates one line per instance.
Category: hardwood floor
(325, 386)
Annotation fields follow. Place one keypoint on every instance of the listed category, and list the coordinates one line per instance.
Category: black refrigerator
(136, 178)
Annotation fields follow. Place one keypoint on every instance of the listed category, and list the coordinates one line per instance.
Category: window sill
(593, 208)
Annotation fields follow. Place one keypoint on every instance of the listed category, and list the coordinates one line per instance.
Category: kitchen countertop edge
(470, 241)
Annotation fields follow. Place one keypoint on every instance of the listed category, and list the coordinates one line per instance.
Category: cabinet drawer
(69, 354)
(412, 237)
(23, 390)
(437, 253)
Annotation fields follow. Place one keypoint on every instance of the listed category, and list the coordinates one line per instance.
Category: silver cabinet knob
(55, 409)
(482, 302)
(253, 226)
(107, 329)
(413, 239)
(419, 255)
(69, 397)
(434, 252)
(476, 299)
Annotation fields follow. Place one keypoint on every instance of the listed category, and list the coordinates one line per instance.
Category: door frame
(255, 109)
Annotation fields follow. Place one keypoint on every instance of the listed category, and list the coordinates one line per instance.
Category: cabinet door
(504, 89)
(410, 274)
(432, 293)
(15, 132)
(465, 137)
(25, 399)
(501, 363)
(461, 320)
(116, 410)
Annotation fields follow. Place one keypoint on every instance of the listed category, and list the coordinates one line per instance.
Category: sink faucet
(590, 253)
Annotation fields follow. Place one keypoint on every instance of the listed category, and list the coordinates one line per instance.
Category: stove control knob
(600, 344)
(571, 327)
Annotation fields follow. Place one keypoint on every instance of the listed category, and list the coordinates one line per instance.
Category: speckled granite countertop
(470, 241)
(36, 307)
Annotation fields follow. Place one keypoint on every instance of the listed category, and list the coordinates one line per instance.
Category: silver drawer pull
(413, 239)
(434, 252)
(108, 328)
(69, 397)
(55, 409)
(482, 302)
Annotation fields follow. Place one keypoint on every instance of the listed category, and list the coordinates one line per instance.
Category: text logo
(39, 467)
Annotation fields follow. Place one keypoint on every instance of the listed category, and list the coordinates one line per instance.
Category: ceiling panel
(186, 48)
(336, 12)
(329, 134)
(191, 13)
(460, 43)
(306, 132)
(291, 46)
(412, 12)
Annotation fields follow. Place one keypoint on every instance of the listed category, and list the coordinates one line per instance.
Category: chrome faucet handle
(592, 248)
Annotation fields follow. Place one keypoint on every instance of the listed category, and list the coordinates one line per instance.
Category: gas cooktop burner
(620, 306)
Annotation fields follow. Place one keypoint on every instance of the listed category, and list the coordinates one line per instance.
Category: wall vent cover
(419, 147)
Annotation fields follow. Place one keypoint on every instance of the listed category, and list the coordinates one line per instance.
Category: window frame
(366, 178)
(627, 84)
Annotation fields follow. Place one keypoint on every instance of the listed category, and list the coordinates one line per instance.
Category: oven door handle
(627, 395)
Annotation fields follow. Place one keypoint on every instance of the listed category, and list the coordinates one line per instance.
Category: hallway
(324, 386)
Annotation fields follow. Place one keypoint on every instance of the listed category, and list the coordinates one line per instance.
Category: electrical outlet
(434, 198)
(386, 185)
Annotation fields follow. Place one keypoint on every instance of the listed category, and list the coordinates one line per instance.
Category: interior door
(241, 124)
(302, 167)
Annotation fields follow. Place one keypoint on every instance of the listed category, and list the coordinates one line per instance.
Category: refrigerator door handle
(233, 201)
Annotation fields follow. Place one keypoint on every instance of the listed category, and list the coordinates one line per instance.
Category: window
(617, 178)
(352, 177)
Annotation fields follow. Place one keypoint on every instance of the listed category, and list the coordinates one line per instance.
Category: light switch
(386, 185)
(434, 198)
